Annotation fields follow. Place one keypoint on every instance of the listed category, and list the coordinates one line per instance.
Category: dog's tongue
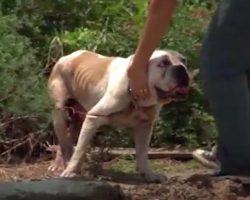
(182, 90)
(162, 93)
(178, 92)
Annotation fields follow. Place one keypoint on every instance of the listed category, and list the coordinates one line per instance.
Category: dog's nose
(181, 76)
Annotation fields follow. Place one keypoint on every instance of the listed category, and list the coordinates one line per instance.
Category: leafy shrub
(98, 41)
(22, 88)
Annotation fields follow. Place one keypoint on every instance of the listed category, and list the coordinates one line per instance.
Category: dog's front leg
(142, 136)
(95, 118)
(88, 130)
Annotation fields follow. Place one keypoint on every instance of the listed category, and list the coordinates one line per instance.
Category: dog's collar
(133, 99)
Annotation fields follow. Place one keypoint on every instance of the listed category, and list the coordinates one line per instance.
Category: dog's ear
(184, 60)
(193, 73)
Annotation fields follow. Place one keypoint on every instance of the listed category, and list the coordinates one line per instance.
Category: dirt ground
(186, 180)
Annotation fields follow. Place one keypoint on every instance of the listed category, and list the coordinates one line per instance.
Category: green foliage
(124, 165)
(22, 91)
(27, 28)
(84, 38)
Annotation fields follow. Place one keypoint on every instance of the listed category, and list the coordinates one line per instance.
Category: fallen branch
(22, 148)
(14, 147)
(13, 119)
(154, 153)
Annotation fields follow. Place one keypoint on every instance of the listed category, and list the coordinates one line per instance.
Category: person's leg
(225, 59)
(230, 102)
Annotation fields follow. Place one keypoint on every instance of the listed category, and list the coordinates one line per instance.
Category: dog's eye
(164, 63)
(183, 60)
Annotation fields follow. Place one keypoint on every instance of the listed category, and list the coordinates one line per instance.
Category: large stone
(59, 189)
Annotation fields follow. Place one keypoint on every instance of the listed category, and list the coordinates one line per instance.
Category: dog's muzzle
(181, 76)
(177, 93)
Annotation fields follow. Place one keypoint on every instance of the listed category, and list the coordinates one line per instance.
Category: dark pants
(225, 60)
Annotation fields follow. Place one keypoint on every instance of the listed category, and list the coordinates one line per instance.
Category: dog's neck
(133, 115)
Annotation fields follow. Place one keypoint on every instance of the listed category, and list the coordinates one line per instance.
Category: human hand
(138, 81)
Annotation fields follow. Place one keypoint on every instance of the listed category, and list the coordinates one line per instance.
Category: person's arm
(157, 22)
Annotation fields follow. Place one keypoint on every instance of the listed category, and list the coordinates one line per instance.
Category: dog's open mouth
(177, 93)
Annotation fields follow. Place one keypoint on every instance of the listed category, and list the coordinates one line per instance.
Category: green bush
(99, 41)
(22, 88)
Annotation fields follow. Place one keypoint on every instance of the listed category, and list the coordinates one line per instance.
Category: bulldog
(100, 85)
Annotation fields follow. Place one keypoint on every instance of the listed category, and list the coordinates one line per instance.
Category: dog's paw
(154, 178)
(56, 167)
(68, 174)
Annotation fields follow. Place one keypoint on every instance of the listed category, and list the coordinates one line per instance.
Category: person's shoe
(206, 158)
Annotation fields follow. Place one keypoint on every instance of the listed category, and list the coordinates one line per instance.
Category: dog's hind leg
(59, 95)
(76, 116)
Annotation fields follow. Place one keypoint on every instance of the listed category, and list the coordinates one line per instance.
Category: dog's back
(82, 75)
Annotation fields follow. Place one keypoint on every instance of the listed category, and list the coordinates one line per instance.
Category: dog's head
(169, 79)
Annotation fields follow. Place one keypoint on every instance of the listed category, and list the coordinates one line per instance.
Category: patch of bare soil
(24, 171)
(184, 185)
(190, 188)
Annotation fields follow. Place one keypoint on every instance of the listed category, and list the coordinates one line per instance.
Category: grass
(161, 166)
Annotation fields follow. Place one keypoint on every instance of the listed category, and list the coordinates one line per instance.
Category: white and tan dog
(100, 85)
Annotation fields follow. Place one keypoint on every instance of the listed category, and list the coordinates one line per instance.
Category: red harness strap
(82, 114)
(74, 111)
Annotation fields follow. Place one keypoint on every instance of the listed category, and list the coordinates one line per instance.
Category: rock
(59, 189)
